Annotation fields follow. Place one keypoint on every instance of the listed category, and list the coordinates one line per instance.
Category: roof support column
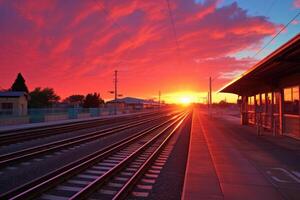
(244, 110)
(281, 111)
(271, 107)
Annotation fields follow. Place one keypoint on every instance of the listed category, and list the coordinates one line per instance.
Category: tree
(92, 100)
(42, 98)
(75, 99)
(19, 84)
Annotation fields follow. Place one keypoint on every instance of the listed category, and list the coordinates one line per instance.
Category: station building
(269, 91)
(134, 103)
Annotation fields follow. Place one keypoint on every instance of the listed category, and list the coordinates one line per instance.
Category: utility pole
(116, 85)
(210, 95)
(116, 90)
(209, 98)
(159, 95)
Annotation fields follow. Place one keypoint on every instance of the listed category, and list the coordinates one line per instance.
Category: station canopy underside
(283, 62)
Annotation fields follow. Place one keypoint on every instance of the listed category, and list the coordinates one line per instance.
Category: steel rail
(41, 184)
(100, 181)
(10, 158)
(24, 135)
(66, 125)
(124, 191)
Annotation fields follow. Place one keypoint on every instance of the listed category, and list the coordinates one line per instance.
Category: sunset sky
(74, 46)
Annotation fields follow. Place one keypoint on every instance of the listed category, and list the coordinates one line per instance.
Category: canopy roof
(283, 62)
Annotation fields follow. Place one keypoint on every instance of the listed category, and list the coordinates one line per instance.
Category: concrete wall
(83, 115)
(14, 120)
(56, 117)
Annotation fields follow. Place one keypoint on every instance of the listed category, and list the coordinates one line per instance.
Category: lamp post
(210, 94)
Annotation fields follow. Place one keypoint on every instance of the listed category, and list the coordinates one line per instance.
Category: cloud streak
(74, 46)
(297, 3)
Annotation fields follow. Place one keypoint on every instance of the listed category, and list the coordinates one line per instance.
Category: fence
(54, 114)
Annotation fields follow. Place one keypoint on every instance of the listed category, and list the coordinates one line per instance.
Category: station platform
(223, 165)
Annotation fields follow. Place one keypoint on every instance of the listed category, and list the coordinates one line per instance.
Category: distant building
(13, 103)
(133, 103)
(269, 91)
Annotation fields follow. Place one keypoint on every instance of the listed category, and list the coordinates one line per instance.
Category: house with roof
(13, 103)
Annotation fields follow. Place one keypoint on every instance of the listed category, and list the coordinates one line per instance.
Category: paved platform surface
(229, 161)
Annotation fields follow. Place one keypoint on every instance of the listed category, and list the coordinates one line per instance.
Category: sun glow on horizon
(189, 97)
(185, 100)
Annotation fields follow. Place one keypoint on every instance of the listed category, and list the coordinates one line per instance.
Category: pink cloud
(297, 3)
(295, 22)
(82, 43)
(34, 10)
(89, 10)
(122, 9)
(204, 9)
(63, 46)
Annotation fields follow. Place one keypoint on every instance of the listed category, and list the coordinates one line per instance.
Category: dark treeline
(91, 100)
(46, 97)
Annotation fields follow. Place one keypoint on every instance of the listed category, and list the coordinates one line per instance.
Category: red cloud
(90, 9)
(63, 46)
(120, 9)
(81, 43)
(34, 10)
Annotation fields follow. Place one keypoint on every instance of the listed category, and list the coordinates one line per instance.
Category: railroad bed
(32, 152)
(20, 135)
(134, 152)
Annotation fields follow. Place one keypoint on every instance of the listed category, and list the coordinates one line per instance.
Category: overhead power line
(173, 28)
(275, 36)
(270, 7)
(108, 13)
(118, 26)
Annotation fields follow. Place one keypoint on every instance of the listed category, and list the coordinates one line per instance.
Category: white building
(13, 103)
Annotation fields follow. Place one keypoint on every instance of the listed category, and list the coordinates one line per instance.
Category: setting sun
(185, 100)
(188, 97)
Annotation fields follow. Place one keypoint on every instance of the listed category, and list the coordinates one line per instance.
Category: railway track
(117, 166)
(11, 137)
(32, 152)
